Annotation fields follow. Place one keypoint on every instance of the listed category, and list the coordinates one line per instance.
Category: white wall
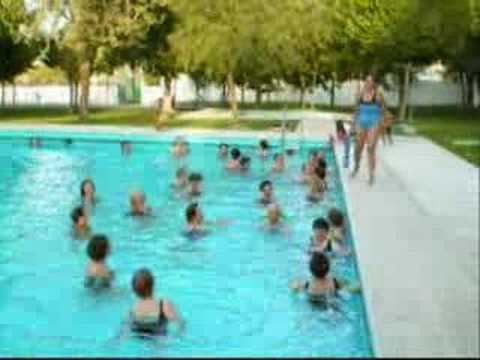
(59, 95)
(422, 93)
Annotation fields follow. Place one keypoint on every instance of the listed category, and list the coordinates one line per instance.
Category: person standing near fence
(367, 119)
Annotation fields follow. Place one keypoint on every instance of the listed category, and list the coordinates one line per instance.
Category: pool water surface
(231, 287)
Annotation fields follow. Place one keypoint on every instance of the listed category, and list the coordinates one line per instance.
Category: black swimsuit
(322, 300)
(155, 327)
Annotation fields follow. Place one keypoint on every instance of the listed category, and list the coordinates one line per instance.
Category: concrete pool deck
(417, 240)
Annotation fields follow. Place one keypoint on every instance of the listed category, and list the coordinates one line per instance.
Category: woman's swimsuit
(152, 326)
(369, 113)
(98, 283)
(324, 299)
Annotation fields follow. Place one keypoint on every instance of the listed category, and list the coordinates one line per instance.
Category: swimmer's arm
(298, 286)
(173, 316)
(346, 286)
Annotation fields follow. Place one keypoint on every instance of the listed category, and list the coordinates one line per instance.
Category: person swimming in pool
(181, 179)
(81, 227)
(88, 192)
(317, 185)
(279, 163)
(275, 219)
(245, 163)
(35, 143)
(308, 169)
(223, 151)
(138, 205)
(196, 224)
(322, 240)
(150, 316)
(234, 163)
(263, 148)
(337, 225)
(195, 220)
(367, 119)
(126, 148)
(98, 275)
(323, 288)
(195, 181)
(180, 147)
(68, 142)
(266, 193)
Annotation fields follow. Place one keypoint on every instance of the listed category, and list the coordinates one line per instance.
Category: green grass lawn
(129, 116)
(454, 129)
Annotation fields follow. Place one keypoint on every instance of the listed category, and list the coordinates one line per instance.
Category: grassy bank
(454, 129)
(129, 116)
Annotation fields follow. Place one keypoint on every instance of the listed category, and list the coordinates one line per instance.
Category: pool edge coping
(368, 308)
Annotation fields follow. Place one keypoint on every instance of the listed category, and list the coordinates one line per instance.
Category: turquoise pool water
(231, 287)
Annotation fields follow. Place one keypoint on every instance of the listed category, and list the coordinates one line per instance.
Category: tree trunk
(75, 96)
(302, 92)
(232, 94)
(332, 93)
(3, 93)
(14, 94)
(314, 85)
(70, 94)
(197, 94)
(84, 89)
(224, 94)
(242, 94)
(470, 89)
(404, 92)
(476, 91)
(302, 97)
(462, 89)
(167, 100)
(258, 97)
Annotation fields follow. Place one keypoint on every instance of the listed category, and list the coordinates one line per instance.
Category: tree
(388, 36)
(17, 48)
(63, 56)
(214, 35)
(96, 28)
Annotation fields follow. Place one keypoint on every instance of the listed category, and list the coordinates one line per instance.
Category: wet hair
(181, 172)
(264, 184)
(97, 248)
(195, 177)
(320, 172)
(82, 186)
(223, 145)
(191, 211)
(321, 163)
(320, 224)
(264, 144)
(319, 265)
(77, 213)
(235, 153)
(290, 152)
(68, 141)
(244, 160)
(143, 283)
(335, 217)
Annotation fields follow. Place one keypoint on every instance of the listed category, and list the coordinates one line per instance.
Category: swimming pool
(231, 287)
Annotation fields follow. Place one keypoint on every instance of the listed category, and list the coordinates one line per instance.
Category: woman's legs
(372, 139)
(360, 143)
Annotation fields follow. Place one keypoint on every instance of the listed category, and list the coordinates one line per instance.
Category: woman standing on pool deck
(367, 120)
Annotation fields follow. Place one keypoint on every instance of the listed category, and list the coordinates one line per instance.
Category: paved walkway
(417, 239)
